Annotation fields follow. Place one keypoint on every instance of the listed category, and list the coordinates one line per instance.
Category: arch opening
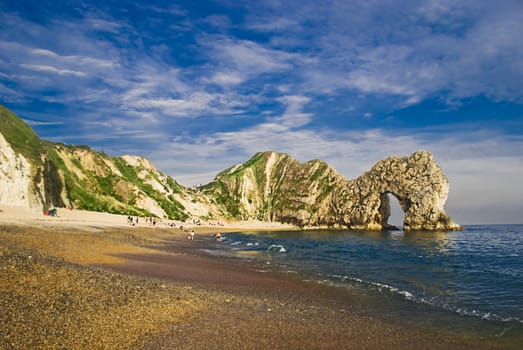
(391, 211)
(396, 212)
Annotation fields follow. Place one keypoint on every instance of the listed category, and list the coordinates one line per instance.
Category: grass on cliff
(21, 136)
(173, 208)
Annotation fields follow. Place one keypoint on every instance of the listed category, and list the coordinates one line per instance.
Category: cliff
(270, 186)
(39, 174)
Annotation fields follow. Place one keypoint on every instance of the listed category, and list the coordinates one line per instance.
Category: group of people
(191, 234)
(151, 221)
(133, 221)
(215, 223)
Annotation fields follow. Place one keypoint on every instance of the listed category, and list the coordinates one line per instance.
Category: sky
(198, 86)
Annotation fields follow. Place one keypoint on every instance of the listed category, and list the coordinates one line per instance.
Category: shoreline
(167, 291)
(297, 290)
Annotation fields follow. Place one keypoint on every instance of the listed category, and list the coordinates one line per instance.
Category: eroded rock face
(16, 182)
(27, 183)
(275, 187)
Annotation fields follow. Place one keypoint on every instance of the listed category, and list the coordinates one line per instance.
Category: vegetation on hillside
(269, 186)
(85, 187)
(21, 136)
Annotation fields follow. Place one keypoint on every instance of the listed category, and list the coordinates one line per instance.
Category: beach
(85, 280)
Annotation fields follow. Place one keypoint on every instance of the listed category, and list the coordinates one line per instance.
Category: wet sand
(85, 286)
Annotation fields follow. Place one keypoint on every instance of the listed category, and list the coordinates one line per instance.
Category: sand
(86, 280)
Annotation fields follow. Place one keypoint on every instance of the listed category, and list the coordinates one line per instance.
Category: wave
(276, 248)
(344, 281)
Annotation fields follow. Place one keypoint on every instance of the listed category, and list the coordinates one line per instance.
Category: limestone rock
(275, 187)
(416, 181)
(15, 178)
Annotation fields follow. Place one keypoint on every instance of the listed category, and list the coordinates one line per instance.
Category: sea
(467, 281)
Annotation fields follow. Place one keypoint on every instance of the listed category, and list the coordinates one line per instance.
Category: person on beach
(192, 235)
(218, 237)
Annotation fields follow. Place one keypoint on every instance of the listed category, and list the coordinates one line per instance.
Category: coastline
(84, 280)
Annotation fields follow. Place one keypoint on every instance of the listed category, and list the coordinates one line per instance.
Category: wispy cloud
(294, 117)
(103, 25)
(42, 123)
(276, 25)
(418, 50)
(74, 60)
(54, 70)
(465, 60)
(196, 103)
(236, 61)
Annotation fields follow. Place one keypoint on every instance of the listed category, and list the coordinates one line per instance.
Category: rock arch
(416, 181)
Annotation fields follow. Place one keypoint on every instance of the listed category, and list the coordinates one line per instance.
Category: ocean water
(470, 278)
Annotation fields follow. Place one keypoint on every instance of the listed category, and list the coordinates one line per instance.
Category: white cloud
(194, 104)
(418, 50)
(476, 59)
(8, 95)
(103, 25)
(54, 70)
(236, 61)
(172, 9)
(218, 21)
(40, 123)
(250, 56)
(275, 25)
(485, 190)
(43, 52)
(75, 60)
(293, 117)
(226, 78)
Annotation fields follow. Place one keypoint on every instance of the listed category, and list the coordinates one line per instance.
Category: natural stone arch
(421, 188)
(416, 181)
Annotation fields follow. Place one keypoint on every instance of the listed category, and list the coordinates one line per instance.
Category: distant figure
(218, 237)
(192, 235)
(51, 212)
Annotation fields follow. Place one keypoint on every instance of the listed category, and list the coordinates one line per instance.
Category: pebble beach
(86, 280)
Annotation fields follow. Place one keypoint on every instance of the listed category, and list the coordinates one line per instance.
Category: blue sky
(199, 86)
